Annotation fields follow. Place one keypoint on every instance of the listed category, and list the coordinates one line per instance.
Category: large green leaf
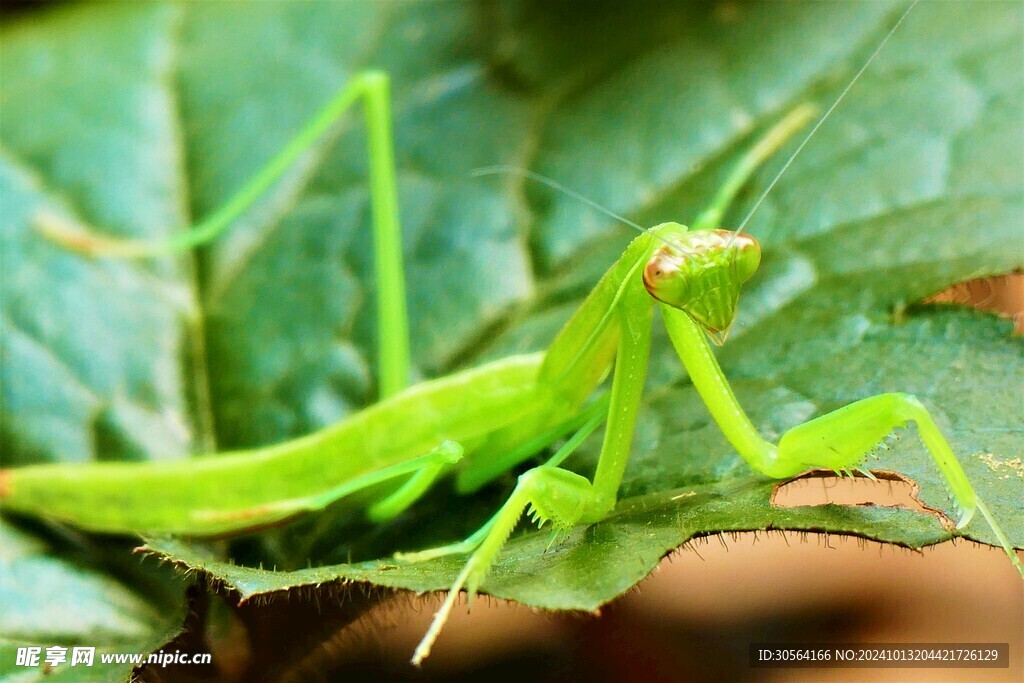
(135, 119)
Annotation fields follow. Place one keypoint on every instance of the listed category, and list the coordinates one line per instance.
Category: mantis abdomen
(242, 489)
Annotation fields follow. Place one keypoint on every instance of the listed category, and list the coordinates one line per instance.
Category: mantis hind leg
(842, 439)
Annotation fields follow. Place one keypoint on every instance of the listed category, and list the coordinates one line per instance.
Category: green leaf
(59, 598)
(134, 120)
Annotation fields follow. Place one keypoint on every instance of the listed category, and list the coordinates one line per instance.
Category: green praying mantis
(479, 423)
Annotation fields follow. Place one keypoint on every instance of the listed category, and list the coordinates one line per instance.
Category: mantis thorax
(701, 273)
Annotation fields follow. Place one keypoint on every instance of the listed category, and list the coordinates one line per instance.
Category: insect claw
(965, 518)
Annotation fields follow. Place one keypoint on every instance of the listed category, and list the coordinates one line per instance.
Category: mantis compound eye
(746, 256)
(701, 273)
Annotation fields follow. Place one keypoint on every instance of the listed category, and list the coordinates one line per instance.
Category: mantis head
(701, 273)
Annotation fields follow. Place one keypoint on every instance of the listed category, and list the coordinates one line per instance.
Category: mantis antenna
(555, 185)
(824, 117)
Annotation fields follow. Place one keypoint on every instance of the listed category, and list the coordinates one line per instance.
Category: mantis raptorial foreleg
(839, 440)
